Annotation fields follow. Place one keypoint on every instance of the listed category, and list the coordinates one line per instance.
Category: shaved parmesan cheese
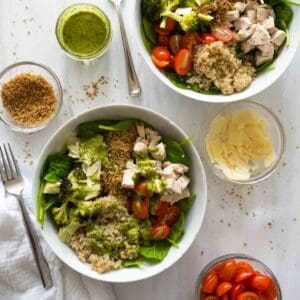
(238, 144)
(183, 11)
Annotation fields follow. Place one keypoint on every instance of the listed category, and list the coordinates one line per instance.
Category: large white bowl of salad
(217, 50)
(120, 193)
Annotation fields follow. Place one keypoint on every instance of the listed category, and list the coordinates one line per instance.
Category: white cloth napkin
(19, 277)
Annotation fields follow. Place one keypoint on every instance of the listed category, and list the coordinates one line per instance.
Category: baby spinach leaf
(175, 152)
(156, 251)
(147, 43)
(186, 204)
(132, 263)
(118, 126)
(177, 231)
(57, 166)
(88, 130)
(149, 31)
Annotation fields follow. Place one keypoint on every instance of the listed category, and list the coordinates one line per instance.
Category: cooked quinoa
(217, 63)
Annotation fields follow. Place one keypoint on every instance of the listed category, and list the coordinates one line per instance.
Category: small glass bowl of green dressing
(84, 31)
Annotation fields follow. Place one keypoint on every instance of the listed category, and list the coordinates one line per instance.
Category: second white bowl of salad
(120, 193)
(218, 50)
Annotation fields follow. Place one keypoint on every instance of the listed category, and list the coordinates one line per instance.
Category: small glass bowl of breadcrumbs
(244, 142)
(30, 96)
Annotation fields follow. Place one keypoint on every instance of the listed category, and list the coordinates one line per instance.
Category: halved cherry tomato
(260, 282)
(244, 265)
(176, 43)
(161, 209)
(171, 216)
(190, 40)
(237, 289)
(228, 270)
(248, 296)
(142, 189)
(225, 297)
(210, 282)
(161, 56)
(223, 288)
(171, 24)
(207, 38)
(140, 208)
(242, 275)
(222, 34)
(183, 62)
(160, 30)
(271, 292)
(160, 232)
(163, 40)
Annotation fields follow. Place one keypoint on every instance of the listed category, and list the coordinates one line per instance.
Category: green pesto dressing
(85, 33)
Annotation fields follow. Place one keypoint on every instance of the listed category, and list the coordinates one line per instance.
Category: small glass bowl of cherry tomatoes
(237, 277)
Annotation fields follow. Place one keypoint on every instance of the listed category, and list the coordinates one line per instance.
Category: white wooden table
(263, 222)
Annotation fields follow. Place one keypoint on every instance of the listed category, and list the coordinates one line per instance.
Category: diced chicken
(130, 165)
(260, 36)
(141, 130)
(172, 198)
(244, 34)
(251, 5)
(278, 38)
(262, 14)
(269, 23)
(150, 132)
(154, 140)
(95, 168)
(251, 14)
(177, 168)
(159, 151)
(157, 165)
(273, 30)
(232, 15)
(267, 49)
(240, 6)
(183, 182)
(140, 147)
(246, 46)
(242, 23)
(127, 181)
(260, 59)
(173, 186)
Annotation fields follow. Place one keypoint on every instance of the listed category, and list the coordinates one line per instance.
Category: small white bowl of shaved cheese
(244, 142)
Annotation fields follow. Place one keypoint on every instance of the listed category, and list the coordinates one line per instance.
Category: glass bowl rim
(50, 72)
(91, 56)
(241, 256)
(282, 141)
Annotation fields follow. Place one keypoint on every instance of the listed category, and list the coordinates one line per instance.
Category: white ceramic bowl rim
(262, 82)
(190, 234)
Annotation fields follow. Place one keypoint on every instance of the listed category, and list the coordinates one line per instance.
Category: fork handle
(41, 262)
(133, 82)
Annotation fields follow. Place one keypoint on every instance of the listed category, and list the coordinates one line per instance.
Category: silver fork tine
(11, 171)
(4, 173)
(14, 161)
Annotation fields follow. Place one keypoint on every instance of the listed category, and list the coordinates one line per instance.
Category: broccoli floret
(145, 228)
(65, 233)
(52, 187)
(61, 214)
(133, 235)
(131, 222)
(189, 22)
(89, 208)
(78, 173)
(168, 6)
(151, 9)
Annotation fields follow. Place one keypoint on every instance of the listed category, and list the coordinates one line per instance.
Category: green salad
(118, 194)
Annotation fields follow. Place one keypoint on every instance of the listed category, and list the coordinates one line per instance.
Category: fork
(14, 185)
(133, 82)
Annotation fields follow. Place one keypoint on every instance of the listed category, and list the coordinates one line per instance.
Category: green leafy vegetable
(132, 263)
(175, 152)
(177, 231)
(186, 204)
(118, 126)
(58, 166)
(147, 43)
(151, 9)
(149, 30)
(40, 204)
(88, 130)
(156, 251)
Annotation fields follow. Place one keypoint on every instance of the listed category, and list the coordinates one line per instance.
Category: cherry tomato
(183, 62)
(140, 208)
(237, 289)
(142, 189)
(171, 24)
(271, 292)
(160, 232)
(248, 296)
(190, 40)
(161, 31)
(163, 40)
(228, 270)
(244, 265)
(242, 275)
(171, 216)
(225, 297)
(207, 38)
(223, 288)
(161, 57)
(210, 282)
(260, 282)
(222, 34)
(175, 43)
(161, 209)
(210, 298)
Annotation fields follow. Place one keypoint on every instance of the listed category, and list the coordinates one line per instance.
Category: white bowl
(262, 82)
(198, 187)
